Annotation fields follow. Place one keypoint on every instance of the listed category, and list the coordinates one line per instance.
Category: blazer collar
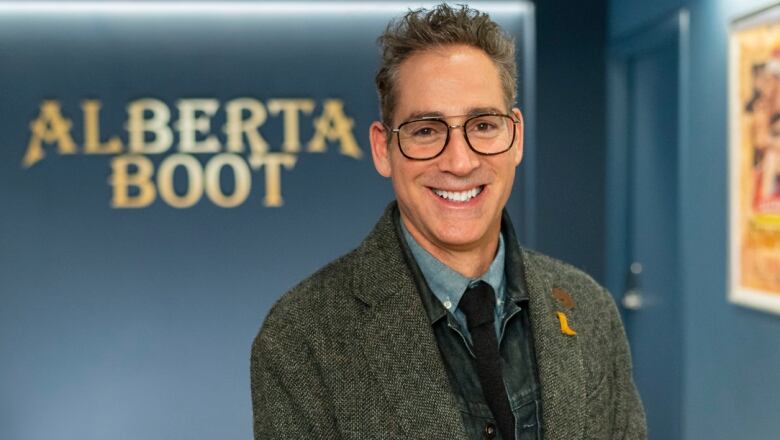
(397, 339)
(384, 273)
(558, 357)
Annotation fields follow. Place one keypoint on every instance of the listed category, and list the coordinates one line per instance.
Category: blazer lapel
(398, 341)
(559, 361)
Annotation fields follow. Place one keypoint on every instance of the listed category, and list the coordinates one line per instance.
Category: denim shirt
(515, 344)
(448, 286)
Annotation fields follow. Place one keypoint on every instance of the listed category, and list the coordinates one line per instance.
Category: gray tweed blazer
(350, 354)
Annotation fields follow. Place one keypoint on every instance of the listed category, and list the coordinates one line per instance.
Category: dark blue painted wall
(732, 354)
(571, 108)
(137, 323)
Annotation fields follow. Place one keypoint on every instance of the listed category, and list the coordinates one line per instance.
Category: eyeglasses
(487, 134)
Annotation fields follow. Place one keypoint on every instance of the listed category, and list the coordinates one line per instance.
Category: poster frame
(738, 293)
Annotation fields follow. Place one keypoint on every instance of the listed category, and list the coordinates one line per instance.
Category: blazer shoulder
(331, 283)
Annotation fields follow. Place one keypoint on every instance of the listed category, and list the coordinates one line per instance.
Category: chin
(460, 235)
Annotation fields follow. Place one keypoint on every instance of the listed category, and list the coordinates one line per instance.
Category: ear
(377, 134)
(518, 153)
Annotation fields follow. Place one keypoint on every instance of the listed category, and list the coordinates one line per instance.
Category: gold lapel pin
(565, 329)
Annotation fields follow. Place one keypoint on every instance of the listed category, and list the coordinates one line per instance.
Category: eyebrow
(470, 112)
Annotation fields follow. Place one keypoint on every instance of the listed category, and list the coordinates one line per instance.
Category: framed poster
(754, 107)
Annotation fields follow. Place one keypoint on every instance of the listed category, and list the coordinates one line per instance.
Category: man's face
(450, 82)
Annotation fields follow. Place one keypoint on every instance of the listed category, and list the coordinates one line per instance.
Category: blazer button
(490, 431)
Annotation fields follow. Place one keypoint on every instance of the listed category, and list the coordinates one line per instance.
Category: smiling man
(440, 326)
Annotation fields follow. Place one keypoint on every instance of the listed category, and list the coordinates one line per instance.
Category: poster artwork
(755, 161)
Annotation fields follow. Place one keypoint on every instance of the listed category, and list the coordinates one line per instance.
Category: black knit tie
(478, 304)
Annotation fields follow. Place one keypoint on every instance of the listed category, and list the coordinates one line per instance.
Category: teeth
(462, 196)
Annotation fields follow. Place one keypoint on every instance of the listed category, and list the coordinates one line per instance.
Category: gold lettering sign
(136, 182)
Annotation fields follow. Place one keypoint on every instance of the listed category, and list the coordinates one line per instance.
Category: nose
(458, 158)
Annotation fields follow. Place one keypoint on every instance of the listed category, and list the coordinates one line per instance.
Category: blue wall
(137, 323)
(570, 124)
(732, 354)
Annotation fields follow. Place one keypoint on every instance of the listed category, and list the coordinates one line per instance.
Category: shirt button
(490, 430)
(447, 304)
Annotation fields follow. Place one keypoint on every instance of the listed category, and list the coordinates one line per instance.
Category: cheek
(507, 177)
(404, 186)
(404, 172)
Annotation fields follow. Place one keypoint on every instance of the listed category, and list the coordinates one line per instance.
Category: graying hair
(423, 29)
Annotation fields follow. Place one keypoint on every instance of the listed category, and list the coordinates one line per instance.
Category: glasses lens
(422, 139)
(490, 134)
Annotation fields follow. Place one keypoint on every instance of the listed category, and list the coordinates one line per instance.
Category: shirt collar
(516, 291)
(447, 285)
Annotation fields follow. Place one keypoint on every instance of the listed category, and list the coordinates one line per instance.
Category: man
(439, 326)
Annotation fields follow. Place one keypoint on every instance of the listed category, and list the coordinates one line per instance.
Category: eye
(424, 131)
(482, 125)
(421, 130)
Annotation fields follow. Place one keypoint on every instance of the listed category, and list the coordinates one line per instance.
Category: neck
(470, 260)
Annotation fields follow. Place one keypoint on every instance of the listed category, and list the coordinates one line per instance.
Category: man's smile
(458, 196)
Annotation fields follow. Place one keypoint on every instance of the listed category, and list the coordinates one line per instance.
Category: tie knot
(478, 304)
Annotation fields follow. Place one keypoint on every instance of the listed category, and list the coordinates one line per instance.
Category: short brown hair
(423, 29)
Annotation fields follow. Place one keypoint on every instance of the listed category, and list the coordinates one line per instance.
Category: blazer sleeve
(629, 414)
(289, 400)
